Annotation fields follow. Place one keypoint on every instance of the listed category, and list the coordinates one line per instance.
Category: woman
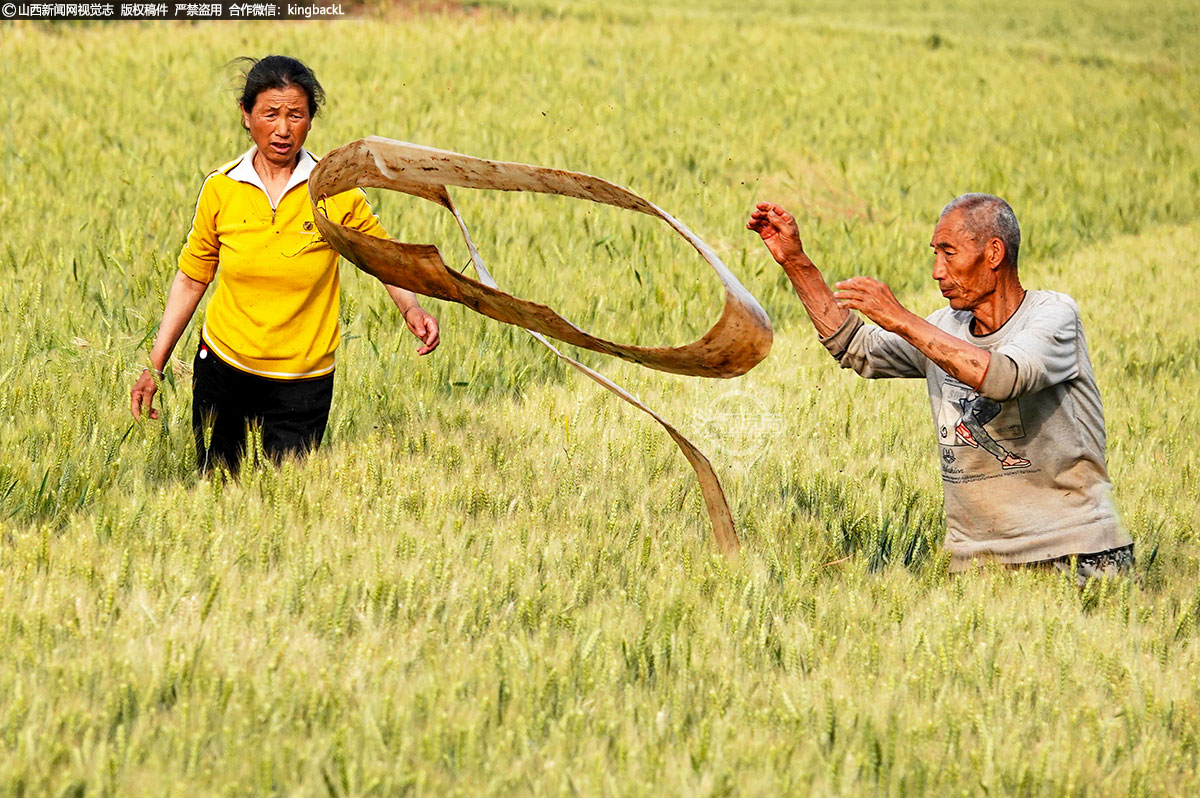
(267, 347)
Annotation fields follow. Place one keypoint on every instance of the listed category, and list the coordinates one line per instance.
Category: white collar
(244, 171)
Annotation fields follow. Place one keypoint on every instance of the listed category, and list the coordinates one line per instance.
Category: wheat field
(496, 579)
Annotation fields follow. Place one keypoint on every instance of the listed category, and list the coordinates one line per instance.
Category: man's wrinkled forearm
(826, 315)
(960, 359)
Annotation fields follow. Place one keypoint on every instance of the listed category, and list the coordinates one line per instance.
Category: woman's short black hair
(279, 72)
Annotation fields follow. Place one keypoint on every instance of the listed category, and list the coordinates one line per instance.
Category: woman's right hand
(142, 395)
(182, 299)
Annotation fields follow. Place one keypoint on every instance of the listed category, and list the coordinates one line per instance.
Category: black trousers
(227, 401)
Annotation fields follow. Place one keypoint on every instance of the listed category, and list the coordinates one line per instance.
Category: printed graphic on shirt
(308, 236)
(968, 419)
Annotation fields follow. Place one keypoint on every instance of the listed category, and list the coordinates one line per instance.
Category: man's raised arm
(782, 237)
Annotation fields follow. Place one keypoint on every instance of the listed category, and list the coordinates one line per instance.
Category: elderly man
(1015, 404)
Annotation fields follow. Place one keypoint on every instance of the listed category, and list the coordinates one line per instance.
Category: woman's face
(279, 122)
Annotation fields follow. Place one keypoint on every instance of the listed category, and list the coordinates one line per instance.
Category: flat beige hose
(739, 340)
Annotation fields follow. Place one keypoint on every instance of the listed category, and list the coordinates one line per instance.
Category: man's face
(279, 122)
(960, 266)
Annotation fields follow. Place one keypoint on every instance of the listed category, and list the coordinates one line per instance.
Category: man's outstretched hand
(779, 232)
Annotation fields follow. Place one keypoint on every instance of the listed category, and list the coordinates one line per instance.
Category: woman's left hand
(424, 327)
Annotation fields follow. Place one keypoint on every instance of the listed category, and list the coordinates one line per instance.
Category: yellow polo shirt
(275, 309)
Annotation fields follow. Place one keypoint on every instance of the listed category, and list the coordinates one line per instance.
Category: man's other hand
(873, 299)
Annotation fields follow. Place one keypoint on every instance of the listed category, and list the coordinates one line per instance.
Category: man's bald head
(984, 217)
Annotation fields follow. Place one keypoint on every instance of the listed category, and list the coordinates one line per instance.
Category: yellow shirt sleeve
(200, 254)
(360, 217)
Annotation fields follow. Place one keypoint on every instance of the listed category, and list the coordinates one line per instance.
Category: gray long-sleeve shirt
(1023, 467)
